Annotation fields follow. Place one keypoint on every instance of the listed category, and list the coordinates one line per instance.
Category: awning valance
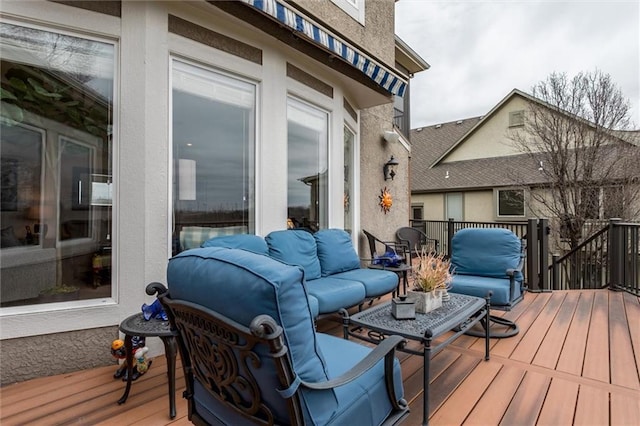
(381, 75)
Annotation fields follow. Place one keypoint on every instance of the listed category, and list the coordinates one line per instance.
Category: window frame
(101, 29)
(354, 8)
(227, 73)
(497, 192)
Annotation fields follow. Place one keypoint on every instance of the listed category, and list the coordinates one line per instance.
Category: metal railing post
(533, 279)
(450, 232)
(555, 272)
(616, 256)
(543, 241)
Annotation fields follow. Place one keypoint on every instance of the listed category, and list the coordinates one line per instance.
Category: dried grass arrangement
(432, 273)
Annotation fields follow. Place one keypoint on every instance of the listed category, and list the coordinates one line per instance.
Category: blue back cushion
(335, 251)
(487, 252)
(248, 242)
(241, 285)
(295, 247)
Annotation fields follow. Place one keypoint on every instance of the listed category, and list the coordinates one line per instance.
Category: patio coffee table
(458, 314)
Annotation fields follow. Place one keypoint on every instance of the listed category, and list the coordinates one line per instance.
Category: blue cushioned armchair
(251, 353)
(489, 260)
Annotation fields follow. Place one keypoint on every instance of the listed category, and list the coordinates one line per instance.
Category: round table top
(136, 325)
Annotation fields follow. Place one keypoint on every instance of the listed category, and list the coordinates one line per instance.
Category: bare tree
(578, 130)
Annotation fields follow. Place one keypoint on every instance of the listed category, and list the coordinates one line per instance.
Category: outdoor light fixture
(390, 136)
(446, 175)
(540, 168)
(389, 168)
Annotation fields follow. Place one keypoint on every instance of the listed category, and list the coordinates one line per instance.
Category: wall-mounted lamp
(389, 168)
(390, 136)
(446, 174)
(540, 168)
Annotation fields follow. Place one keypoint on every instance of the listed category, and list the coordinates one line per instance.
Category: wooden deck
(576, 361)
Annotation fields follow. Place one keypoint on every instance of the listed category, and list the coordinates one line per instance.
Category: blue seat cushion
(253, 243)
(363, 401)
(242, 285)
(333, 293)
(480, 286)
(376, 281)
(486, 252)
(295, 247)
(335, 251)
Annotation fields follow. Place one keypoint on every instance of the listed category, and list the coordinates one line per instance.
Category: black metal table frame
(377, 333)
(135, 325)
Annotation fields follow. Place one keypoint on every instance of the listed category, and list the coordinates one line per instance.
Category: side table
(136, 325)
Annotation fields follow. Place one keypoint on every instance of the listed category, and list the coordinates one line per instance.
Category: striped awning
(382, 76)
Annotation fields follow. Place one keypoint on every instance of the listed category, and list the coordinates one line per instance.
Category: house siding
(147, 35)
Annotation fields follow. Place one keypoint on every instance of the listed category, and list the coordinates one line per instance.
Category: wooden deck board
(556, 371)
(621, 350)
(560, 403)
(596, 358)
(527, 401)
(549, 351)
(572, 356)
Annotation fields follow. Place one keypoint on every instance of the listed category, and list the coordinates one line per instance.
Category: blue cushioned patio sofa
(332, 271)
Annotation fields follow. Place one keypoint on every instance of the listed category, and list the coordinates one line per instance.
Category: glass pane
(57, 119)
(213, 155)
(511, 203)
(454, 206)
(349, 141)
(307, 165)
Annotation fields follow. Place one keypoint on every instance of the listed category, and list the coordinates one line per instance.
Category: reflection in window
(213, 155)
(511, 202)
(57, 109)
(307, 165)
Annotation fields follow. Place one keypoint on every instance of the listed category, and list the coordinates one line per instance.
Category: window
(590, 203)
(307, 165)
(516, 118)
(417, 212)
(613, 205)
(55, 136)
(349, 160)
(354, 8)
(510, 202)
(213, 155)
(453, 206)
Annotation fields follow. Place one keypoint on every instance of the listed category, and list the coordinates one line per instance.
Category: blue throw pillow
(335, 251)
(295, 247)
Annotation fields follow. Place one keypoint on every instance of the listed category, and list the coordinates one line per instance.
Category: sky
(481, 50)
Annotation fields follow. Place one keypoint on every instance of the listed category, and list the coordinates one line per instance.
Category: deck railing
(609, 257)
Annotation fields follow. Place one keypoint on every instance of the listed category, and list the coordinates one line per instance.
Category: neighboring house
(133, 130)
(471, 170)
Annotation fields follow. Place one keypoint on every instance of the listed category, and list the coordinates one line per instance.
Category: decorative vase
(445, 295)
(426, 301)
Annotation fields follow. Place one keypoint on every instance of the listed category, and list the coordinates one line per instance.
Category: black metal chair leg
(512, 328)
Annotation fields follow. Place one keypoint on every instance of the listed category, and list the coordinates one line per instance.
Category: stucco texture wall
(377, 34)
(38, 356)
(374, 153)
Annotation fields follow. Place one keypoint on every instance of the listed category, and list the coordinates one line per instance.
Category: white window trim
(353, 8)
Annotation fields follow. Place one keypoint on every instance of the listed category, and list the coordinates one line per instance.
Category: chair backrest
(487, 252)
(416, 240)
(238, 286)
(371, 240)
